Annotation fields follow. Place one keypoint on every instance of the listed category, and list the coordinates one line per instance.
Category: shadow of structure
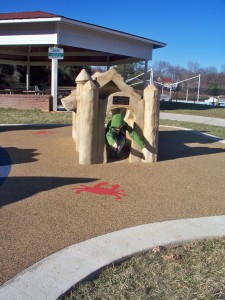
(13, 189)
(13, 156)
(6, 127)
(5, 164)
(19, 188)
(173, 145)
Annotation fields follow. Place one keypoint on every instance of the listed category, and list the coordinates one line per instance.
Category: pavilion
(25, 39)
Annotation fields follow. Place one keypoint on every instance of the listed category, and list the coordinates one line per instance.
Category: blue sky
(193, 30)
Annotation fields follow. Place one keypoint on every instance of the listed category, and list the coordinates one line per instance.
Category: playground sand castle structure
(96, 96)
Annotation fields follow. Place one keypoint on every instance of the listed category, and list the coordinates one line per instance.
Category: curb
(57, 273)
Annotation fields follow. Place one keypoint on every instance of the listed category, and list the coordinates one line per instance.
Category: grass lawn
(204, 128)
(191, 271)
(192, 109)
(33, 116)
(14, 116)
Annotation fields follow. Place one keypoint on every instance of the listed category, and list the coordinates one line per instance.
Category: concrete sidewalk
(195, 119)
(54, 275)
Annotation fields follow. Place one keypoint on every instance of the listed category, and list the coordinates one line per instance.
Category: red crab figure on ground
(101, 190)
(42, 132)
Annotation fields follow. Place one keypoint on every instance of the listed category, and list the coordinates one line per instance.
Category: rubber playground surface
(48, 201)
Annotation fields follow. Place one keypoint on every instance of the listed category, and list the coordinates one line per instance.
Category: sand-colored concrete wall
(94, 98)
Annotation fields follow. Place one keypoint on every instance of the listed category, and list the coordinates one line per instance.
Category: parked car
(212, 101)
(165, 97)
(222, 100)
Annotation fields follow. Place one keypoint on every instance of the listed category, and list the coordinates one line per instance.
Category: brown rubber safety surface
(41, 213)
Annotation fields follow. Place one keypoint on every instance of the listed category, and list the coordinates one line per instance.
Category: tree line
(210, 78)
(14, 76)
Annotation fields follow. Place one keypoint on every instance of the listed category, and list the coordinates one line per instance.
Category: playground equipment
(170, 86)
(95, 97)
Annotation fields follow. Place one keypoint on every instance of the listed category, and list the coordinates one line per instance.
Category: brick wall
(21, 101)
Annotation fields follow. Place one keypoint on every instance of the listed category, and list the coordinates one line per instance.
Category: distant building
(165, 80)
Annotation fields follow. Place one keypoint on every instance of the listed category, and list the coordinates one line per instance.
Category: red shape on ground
(41, 132)
(100, 190)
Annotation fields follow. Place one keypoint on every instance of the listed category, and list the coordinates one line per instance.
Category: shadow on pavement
(31, 127)
(19, 188)
(173, 145)
(17, 155)
(12, 155)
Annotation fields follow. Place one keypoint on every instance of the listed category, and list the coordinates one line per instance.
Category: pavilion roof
(83, 43)
(26, 15)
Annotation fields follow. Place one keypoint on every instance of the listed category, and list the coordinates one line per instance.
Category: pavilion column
(28, 77)
(28, 69)
(107, 63)
(145, 73)
(124, 72)
(54, 82)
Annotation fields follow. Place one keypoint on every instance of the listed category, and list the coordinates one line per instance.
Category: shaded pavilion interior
(26, 37)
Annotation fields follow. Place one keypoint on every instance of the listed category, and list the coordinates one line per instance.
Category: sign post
(54, 54)
(57, 53)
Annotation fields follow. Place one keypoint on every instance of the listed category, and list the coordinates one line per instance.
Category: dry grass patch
(193, 109)
(192, 271)
(33, 116)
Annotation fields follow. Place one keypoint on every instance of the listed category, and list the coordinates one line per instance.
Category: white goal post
(168, 85)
